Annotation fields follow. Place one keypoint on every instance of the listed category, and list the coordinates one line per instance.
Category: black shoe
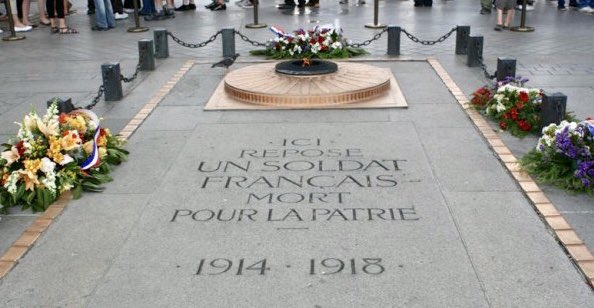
(97, 28)
(192, 6)
(168, 12)
(155, 16)
(220, 7)
(90, 12)
(485, 11)
(211, 5)
(286, 6)
(183, 8)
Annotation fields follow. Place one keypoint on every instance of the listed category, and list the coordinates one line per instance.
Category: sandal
(54, 29)
(67, 30)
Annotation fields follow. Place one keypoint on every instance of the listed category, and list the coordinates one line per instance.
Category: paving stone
(11, 228)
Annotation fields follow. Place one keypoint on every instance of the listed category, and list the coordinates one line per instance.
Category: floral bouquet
(516, 108)
(564, 156)
(56, 153)
(320, 42)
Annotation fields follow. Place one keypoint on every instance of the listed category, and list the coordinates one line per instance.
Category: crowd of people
(52, 13)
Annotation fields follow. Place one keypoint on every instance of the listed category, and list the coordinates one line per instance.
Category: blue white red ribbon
(278, 31)
(94, 159)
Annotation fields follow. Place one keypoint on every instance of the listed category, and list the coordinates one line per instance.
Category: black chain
(426, 42)
(130, 79)
(367, 42)
(247, 39)
(485, 72)
(198, 45)
(97, 98)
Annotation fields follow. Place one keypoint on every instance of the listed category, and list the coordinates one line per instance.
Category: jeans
(104, 14)
(148, 6)
(561, 3)
(585, 3)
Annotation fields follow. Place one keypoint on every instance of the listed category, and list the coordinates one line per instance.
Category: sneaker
(23, 29)
(120, 16)
(220, 7)
(192, 6)
(247, 5)
(155, 16)
(586, 9)
(129, 11)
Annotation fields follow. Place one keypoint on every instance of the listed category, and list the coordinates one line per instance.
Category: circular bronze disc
(353, 82)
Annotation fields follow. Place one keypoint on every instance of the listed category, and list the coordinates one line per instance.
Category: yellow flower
(101, 141)
(88, 147)
(32, 165)
(71, 141)
(30, 180)
(102, 152)
(78, 123)
(52, 128)
(55, 150)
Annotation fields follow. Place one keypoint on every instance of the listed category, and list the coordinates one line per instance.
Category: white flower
(47, 165)
(52, 128)
(500, 107)
(11, 182)
(11, 156)
(49, 181)
(30, 121)
(336, 45)
(67, 159)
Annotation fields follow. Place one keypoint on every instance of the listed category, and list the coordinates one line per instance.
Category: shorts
(505, 4)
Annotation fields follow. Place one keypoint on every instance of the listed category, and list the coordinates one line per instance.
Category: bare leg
(510, 15)
(26, 10)
(500, 16)
(41, 9)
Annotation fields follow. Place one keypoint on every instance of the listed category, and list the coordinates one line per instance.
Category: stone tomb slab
(331, 91)
(296, 215)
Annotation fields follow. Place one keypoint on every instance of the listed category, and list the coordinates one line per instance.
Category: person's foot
(343, 2)
(192, 6)
(182, 8)
(219, 7)
(23, 28)
(485, 11)
(144, 13)
(155, 16)
(498, 27)
(129, 11)
(586, 9)
(90, 12)
(360, 2)
(119, 16)
(285, 6)
(211, 5)
(564, 8)
(1, 31)
(66, 30)
(97, 28)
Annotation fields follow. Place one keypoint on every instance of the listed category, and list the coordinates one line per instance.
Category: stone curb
(563, 232)
(25, 242)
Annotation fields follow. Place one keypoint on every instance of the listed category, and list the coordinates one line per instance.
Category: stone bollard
(161, 43)
(552, 109)
(112, 82)
(475, 51)
(394, 40)
(506, 67)
(228, 42)
(462, 34)
(64, 104)
(146, 55)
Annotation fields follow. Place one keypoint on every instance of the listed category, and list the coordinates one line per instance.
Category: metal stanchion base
(522, 29)
(255, 26)
(138, 29)
(13, 38)
(375, 26)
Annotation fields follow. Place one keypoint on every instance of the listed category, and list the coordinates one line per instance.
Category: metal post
(112, 81)
(146, 55)
(137, 28)
(394, 40)
(228, 42)
(256, 24)
(506, 67)
(522, 27)
(462, 34)
(375, 23)
(64, 104)
(161, 43)
(552, 109)
(13, 36)
(475, 51)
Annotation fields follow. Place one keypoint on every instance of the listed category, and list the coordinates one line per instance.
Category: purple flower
(585, 172)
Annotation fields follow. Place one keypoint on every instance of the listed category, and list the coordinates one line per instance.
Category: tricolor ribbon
(93, 159)
(278, 31)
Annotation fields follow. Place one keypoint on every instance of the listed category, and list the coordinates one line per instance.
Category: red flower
(523, 97)
(20, 146)
(102, 132)
(503, 125)
(520, 105)
(62, 118)
(506, 115)
(514, 114)
(524, 125)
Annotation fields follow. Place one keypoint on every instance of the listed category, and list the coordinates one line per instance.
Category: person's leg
(100, 15)
(109, 16)
(26, 11)
(42, 13)
(117, 6)
(499, 19)
(510, 15)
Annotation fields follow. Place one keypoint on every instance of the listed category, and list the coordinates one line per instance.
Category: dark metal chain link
(130, 79)
(97, 98)
(367, 42)
(198, 45)
(247, 39)
(485, 72)
(427, 42)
